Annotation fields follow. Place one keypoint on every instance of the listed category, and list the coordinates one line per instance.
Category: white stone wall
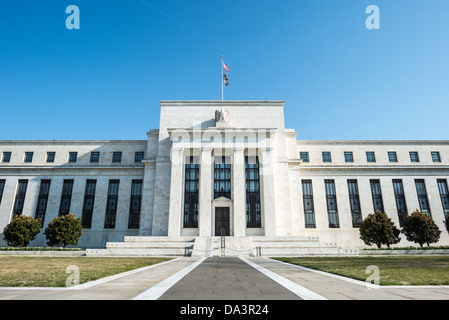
(61, 169)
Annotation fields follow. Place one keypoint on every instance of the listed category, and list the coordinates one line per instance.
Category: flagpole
(222, 80)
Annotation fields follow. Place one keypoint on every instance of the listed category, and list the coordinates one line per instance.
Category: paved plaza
(227, 278)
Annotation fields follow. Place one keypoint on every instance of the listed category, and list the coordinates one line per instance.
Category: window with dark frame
(370, 156)
(73, 156)
(111, 204)
(444, 194)
(2, 187)
(435, 156)
(326, 156)
(6, 157)
(20, 198)
(117, 157)
(354, 201)
(348, 156)
(88, 204)
(377, 195)
(414, 156)
(222, 178)
(42, 200)
(253, 209)
(135, 204)
(392, 157)
(138, 157)
(304, 156)
(400, 201)
(309, 213)
(422, 197)
(331, 200)
(191, 193)
(94, 157)
(51, 157)
(66, 197)
(28, 157)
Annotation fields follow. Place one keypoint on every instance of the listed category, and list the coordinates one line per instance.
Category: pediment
(222, 201)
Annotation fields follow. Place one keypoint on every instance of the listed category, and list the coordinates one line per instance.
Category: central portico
(221, 168)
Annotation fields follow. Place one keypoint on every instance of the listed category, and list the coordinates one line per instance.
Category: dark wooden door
(222, 221)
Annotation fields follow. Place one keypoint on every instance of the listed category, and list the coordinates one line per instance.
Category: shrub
(421, 229)
(378, 229)
(21, 231)
(64, 230)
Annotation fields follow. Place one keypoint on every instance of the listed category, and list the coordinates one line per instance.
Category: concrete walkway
(228, 278)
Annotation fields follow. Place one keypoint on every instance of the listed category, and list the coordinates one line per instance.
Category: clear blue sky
(339, 80)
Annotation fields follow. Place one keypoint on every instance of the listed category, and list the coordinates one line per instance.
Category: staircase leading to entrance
(212, 246)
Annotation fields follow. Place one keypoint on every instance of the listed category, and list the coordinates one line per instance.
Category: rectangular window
(116, 157)
(349, 157)
(422, 197)
(191, 195)
(88, 204)
(326, 156)
(354, 201)
(135, 205)
(377, 195)
(253, 210)
(2, 187)
(20, 197)
(370, 156)
(111, 205)
(414, 156)
(435, 156)
(392, 157)
(307, 194)
(222, 178)
(400, 200)
(73, 156)
(51, 157)
(42, 201)
(66, 197)
(331, 199)
(304, 156)
(138, 157)
(444, 194)
(6, 157)
(28, 157)
(94, 157)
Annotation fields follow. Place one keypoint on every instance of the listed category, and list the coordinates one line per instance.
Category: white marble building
(223, 167)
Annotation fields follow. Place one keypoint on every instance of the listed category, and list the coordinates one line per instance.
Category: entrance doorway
(222, 221)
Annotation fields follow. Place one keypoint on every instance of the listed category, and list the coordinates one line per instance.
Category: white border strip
(159, 289)
(300, 291)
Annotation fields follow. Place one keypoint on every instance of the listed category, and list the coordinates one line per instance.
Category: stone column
(205, 193)
(239, 192)
(176, 183)
(146, 212)
(267, 192)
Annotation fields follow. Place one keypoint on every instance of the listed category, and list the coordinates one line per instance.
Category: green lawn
(393, 270)
(17, 271)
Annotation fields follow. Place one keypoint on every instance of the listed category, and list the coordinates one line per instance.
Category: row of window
(222, 188)
(376, 193)
(88, 204)
(73, 157)
(370, 156)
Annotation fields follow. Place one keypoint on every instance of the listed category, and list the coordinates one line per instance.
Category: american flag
(225, 67)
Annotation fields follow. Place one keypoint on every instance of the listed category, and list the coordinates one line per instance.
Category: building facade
(227, 168)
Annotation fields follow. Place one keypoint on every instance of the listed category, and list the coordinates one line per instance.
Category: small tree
(21, 231)
(378, 229)
(446, 223)
(64, 230)
(421, 229)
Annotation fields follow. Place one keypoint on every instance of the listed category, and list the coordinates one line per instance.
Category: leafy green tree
(21, 231)
(64, 230)
(421, 229)
(378, 229)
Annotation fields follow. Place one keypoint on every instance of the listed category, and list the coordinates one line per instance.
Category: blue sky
(339, 80)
